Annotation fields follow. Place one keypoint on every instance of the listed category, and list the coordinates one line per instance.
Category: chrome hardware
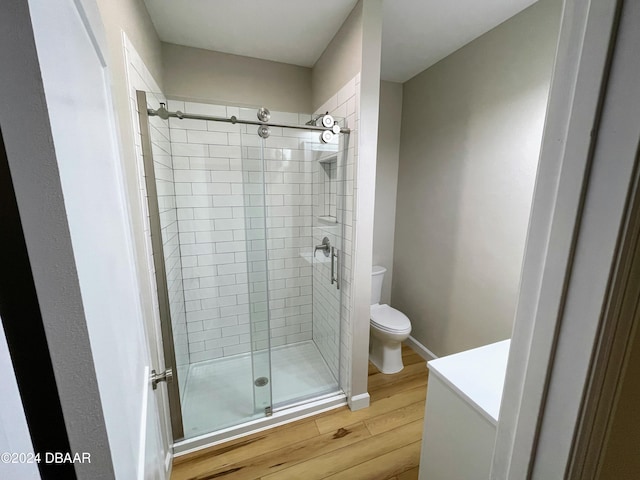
(335, 272)
(264, 114)
(311, 125)
(264, 131)
(261, 381)
(156, 378)
(268, 411)
(325, 247)
(326, 136)
(162, 112)
(327, 121)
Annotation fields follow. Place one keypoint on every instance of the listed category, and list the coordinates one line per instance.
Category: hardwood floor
(381, 442)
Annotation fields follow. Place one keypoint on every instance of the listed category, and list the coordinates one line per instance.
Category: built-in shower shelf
(317, 258)
(328, 158)
(328, 219)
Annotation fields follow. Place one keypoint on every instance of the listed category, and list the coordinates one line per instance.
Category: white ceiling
(415, 33)
(418, 33)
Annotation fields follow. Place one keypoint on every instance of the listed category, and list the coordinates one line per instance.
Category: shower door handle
(335, 270)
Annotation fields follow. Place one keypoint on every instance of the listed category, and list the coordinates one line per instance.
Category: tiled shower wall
(212, 208)
(208, 185)
(345, 103)
(328, 222)
(163, 170)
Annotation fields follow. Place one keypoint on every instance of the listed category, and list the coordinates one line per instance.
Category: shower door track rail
(234, 120)
(288, 414)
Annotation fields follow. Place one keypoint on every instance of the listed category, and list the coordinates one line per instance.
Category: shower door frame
(173, 390)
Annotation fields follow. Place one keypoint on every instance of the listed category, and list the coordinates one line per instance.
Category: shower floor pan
(218, 393)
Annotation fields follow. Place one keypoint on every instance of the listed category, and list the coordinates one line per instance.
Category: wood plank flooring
(381, 442)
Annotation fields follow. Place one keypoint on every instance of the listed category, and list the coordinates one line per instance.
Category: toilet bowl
(389, 328)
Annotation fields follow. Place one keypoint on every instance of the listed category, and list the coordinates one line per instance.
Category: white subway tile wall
(209, 200)
(227, 180)
(165, 181)
(345, 103)
(229, 186)
(329, 170)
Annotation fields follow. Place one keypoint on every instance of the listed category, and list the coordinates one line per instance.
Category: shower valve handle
(325, 247)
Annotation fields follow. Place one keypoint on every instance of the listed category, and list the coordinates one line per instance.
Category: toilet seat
(388, 319)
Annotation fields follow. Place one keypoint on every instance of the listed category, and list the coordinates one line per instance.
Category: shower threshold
(279, 417)
(217, 401)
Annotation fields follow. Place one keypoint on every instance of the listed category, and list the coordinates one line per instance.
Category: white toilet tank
(377, 276)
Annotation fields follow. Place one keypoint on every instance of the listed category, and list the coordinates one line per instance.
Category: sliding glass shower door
(293, 192)
(328, 229)
(255, 220)
(252, 212)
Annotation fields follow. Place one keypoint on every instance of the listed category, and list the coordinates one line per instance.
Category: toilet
(389, 328)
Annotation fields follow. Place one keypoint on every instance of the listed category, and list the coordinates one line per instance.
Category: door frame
(580, 216)
(32, 161)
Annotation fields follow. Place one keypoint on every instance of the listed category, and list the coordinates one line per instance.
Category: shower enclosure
(246, 212)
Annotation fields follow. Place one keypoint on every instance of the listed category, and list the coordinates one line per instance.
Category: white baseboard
(358, 402)
(420, 349)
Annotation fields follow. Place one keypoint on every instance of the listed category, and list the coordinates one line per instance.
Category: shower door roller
(327, 121)
(264, 114)
(156, 378)
(264, 131)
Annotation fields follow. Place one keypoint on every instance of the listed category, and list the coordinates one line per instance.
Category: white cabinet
(463, 401)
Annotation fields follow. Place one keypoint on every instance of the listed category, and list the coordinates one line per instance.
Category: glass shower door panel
(328, 247)
(255, 217)
(208, 176)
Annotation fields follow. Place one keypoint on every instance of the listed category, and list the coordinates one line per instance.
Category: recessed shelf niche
(328, 188)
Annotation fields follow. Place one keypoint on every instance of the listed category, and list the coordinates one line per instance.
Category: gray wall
(471, 132)
(340, 61)
(197, 74)
(130, 16)
(387, 180)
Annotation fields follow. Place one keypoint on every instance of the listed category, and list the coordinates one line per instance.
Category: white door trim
(578, 211)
